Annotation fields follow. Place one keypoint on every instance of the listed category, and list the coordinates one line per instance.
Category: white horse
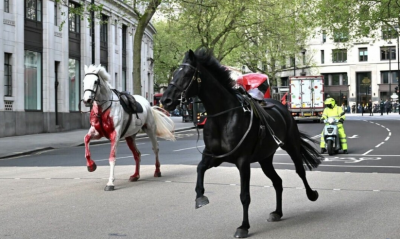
(108, 119)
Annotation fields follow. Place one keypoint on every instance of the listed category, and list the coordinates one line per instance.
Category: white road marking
(177, 150)
(130, 156)
(353, 137)
(368, 152)
(387, 138)
(347, 166)
(379, 144)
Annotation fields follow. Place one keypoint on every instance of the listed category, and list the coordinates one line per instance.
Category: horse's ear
(86, 68)
(191, 55)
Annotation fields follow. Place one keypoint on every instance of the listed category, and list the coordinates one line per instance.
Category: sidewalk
(376, 115)
(27, 144)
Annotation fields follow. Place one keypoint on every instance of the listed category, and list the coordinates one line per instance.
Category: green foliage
(258, 34)
(362, 18)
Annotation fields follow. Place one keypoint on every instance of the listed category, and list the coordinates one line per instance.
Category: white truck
(306, 97)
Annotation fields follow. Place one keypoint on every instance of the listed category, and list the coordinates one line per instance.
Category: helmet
(330, 103)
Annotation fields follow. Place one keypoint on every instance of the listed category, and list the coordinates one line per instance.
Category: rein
(237, 146)
(102, 102)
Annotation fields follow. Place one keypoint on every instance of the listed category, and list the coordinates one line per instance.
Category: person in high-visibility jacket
(332, 110)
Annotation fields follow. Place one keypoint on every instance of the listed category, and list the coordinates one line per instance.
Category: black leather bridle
(195, 77)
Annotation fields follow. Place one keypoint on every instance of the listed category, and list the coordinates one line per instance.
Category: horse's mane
(101, 71)
(221, 73)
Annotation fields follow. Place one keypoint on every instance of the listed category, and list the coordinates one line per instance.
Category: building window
(123, 79)
(323, 36)
(389, 78)
(33, 80)
(6, 5)
(335, 79)
(341, 36)
(116, 81)
(116, 32)
(55, 13)
(385, 53)
(292, 61)
(339, 55)
(33, 10)
(7, 75)
(322, 57)
(73, 19)
(103, 29)
(74, 83)
(345, 81)
(363, 54)
(388, 32)
(124, 30)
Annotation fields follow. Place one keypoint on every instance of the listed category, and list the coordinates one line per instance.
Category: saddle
(130, 106)
(128, 102)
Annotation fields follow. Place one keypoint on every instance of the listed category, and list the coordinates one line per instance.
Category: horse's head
(91, 84)
(184, 83)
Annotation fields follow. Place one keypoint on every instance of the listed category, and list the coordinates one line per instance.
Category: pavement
(27, 144)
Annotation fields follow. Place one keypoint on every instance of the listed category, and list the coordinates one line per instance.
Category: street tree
(358, 20)
(278, 35)
(144, 11)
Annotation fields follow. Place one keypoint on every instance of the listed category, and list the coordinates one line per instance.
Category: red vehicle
(157, 97)
(255, 81)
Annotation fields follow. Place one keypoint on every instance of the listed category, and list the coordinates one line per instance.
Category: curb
(27, 152)
(101, 141)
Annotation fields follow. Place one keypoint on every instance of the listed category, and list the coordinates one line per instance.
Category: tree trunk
(137, 44)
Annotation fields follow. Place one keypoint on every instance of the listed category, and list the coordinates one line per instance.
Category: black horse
(237, 131)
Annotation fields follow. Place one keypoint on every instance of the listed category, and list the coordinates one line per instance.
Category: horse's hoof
(92, 168)
(134, 178)
(241, 233)
(313, 196)
(201, 201)
(274, 217)
(157, 174)
(109, 188)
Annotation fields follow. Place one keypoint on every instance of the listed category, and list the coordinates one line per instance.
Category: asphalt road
(51, 194)
(373, 148)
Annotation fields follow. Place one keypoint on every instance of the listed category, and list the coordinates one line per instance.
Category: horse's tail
(165, 125)
(310, 156)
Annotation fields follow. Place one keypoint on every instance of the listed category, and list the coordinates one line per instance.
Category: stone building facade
(354, 72)
(44, 48)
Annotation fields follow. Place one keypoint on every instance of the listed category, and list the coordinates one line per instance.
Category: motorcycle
(331, 136)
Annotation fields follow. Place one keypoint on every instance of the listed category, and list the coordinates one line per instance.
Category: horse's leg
(269, 171)
(92, 134)
(244, 169)
(202, 167)
(137, 156)
(113, 152)
(151, 132)
(294, 153)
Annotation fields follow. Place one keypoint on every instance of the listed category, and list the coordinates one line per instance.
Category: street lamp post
(390, 72)
(398, 66)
